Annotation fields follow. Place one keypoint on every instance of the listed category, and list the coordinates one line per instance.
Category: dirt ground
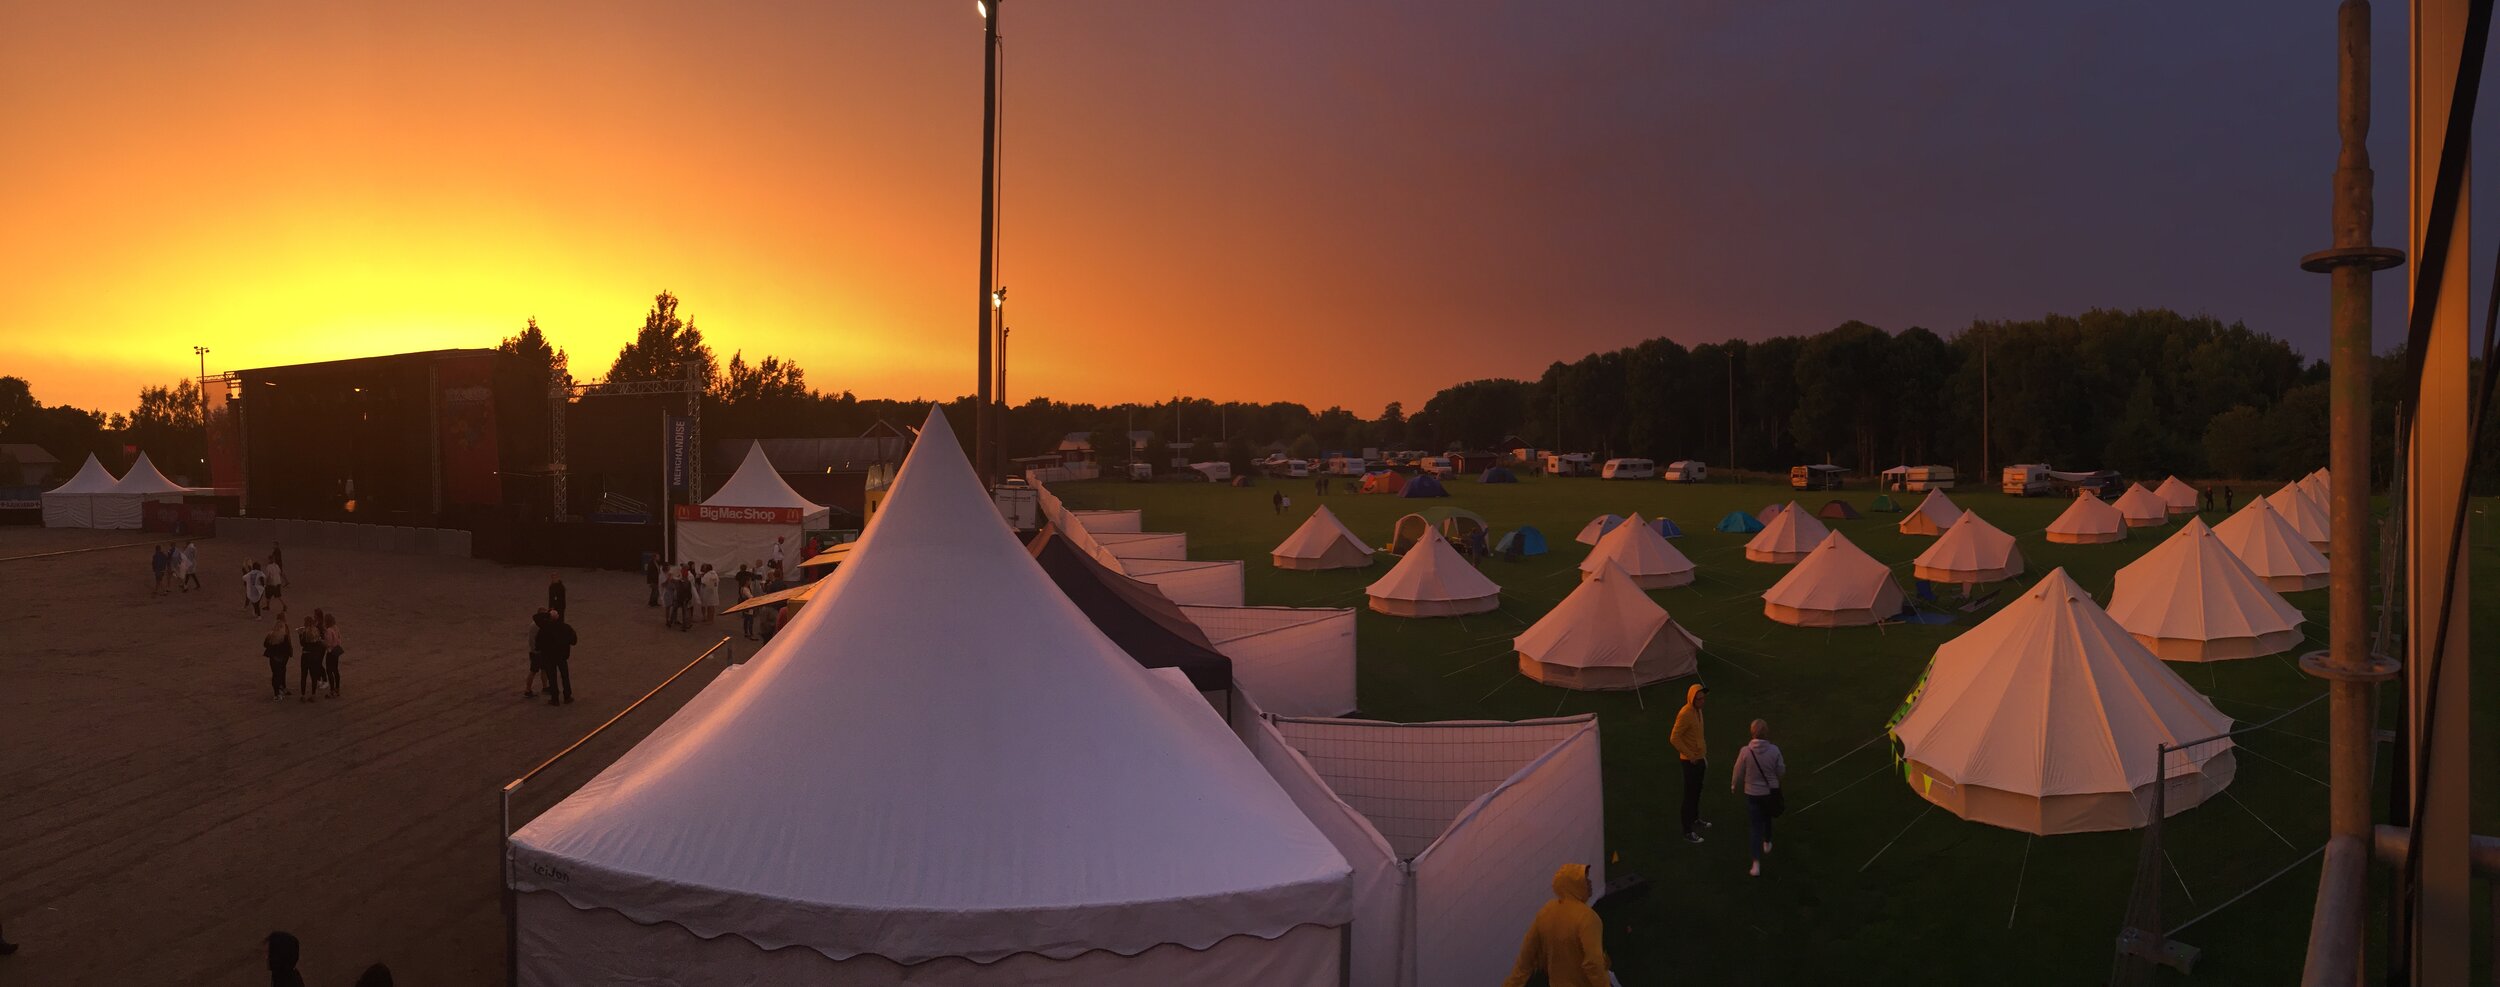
(160, 814)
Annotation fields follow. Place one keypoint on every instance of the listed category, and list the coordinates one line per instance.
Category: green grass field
(1868, 884)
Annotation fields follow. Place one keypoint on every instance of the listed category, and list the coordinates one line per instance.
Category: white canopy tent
(1297, 661)
(2304, 515)
(2088, 521)
(1432, 580)
(1972, 551)
(2272, 548)
(74, 504)
(2191, 599)
(1608, 634)
(2142, 508)
(1322, 542)
(2045, 719)
(1838, 585)
(1934, 513)
(1642, 553)
(823, 814)
(1453, 829)
(740, 522)
(1787, 536)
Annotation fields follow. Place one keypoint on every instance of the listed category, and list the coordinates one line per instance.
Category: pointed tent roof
(92, 478)
(1605, 623)
(2142, 508)
(2271, 547)
(1133, 614)
(1639, 549)
(757, 484)
(2089, 516)
(1791, 533)
(2191, 588)
(1738, 523)
(1934, 514)
(1597, 528)
(2052, 697)
(983, 774)
(2178, 496)
(2315, 486)
(1837, 575)
(1972, 545)
(2302, 514)
(1432, 571)
(143, 478)
(1318, 534)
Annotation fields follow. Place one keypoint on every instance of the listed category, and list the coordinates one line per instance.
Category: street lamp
(202, 382)
(985, 434)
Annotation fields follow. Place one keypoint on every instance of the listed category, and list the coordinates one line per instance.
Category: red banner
(740, 515)
(467, 392)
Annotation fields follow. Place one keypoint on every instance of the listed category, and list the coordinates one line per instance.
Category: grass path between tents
(1866, 885)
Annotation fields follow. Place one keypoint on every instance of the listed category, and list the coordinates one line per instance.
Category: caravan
(1918, 479)
(2026, 480)
(1687, 471)
(1567, 464)
(1824, 476)
(1630, 469)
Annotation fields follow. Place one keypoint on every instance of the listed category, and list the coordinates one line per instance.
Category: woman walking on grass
(1759, 768)
(277, 647)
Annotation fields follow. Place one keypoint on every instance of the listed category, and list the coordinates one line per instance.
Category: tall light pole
(202, 383)
(998, 309)
(984, 425)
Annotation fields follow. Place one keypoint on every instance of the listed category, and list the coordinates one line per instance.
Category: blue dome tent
(1423, 485)
(1739, 523)
(1497, 474)
(1667, 528)
(1524, 542)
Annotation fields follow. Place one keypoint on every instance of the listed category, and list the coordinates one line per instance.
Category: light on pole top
(983, 6)
(998, 298)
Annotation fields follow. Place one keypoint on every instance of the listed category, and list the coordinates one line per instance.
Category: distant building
(24, 464)
(436, 438)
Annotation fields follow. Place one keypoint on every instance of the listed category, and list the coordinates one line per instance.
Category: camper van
(1629, 469)
(1918, 479)
(2026, 480)
(1216, 472)
(1435, 465)
(1348, 466)
(1567, 464)
(1687, 471)
(1823, 476)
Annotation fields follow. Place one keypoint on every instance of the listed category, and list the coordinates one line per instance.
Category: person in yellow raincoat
(1566, 941)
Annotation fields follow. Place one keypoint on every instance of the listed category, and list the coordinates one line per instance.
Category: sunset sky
(1313, 200)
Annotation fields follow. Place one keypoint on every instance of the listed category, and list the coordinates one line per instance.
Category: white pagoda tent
(1432, 580)
(1787, 535)
(1972, 551)
(940, 772)
(1935, 513)
(1642, 553)
(1838, 585)
(2142, 508)
(2045, 718)
(2177, 496)
(741, 520)
(2191, 599)
(2272, 548)
(2304, 515)
(1608, 634)
(1322, 542)
(2088, 521)
(76, 504)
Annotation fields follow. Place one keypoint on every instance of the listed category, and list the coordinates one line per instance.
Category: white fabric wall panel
(1413, 780)
(114, 510)
(1126, 522)
(564, 946)
(68, 510)
(1198, 584)
(1478, 887)
(1381, 947)
(1146, 544)
(1299, 661)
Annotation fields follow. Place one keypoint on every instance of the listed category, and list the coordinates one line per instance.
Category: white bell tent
(1322, 542)
(1934, 513)
(2272, 548)
(1787, 536)
(2142, 508)
(1642, 553)
(1432, 580)
(1838, 585)
(1608, 634)
(2304, 515)
(2045, 719)
(823, 813)
(2088, 521)
(2192, 599)
(1972, 551)
(2176, 496)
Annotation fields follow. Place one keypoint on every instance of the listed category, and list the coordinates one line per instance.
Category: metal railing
(511, 903)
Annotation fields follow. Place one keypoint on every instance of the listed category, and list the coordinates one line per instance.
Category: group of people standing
(1757, 776)
(689, 593)
(551, 648)
(174, 567)
(264, 586)
(314, 646)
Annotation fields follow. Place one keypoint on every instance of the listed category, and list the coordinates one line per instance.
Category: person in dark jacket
(555, 591)
(277, 646)
(555, 655)
(651, 575)
(284, 950)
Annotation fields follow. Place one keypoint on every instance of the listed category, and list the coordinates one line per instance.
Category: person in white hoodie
(1759, 768)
